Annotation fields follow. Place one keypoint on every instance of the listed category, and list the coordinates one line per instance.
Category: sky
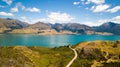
(89, 12)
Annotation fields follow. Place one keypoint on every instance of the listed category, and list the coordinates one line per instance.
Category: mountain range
(8, 25)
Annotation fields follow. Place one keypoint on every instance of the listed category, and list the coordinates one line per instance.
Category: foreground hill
(21, 56)
(98, 54)
(90, 54)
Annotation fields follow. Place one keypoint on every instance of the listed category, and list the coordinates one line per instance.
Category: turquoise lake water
(49, 40)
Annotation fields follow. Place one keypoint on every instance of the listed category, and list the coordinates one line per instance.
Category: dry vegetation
(98, 54)
(22, 56)
(90, 54)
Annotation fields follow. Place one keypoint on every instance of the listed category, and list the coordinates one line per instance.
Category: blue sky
(89, 12)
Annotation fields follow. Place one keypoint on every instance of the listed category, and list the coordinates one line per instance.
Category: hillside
(110, 27)
(7, 25)
(36, 28)
(21, 56)
(74, 27)
(40, 26)
(90, 54)
(98, 54)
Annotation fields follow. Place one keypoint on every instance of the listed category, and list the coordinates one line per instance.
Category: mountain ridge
(9, 25)
(109, 27)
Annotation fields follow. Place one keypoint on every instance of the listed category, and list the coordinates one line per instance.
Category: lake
(50, 40)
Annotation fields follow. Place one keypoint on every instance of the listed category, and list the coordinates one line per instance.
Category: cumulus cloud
(76, 3)
(99, 5)
(103, 20)
(115, 19)
(100, 8)
(60, 17)
(20, 5)
(15, 9)
(89, 23)
(113, 10)
(9, 2)
(34, 9)
(6, 14)
(57, 17)
(95, 1)
(23, 17)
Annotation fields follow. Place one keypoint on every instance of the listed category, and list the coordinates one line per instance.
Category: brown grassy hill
(7, 25)
(98, 53)
(22, 56)
(37, 28)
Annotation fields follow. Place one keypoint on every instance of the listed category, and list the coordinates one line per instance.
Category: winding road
(70, 63)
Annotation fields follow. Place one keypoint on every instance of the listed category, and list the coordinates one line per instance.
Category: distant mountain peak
(12, 23)
(109, 27)
(9, 19)
(109, 24)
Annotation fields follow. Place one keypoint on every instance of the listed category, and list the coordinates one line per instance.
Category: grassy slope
(98, 53)
(20, 56)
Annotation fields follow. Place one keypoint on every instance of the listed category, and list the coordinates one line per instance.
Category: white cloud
(20, 5)
(97, 23)
(114, 19)
(76, 3)
(60, 17)
(6, 14)
(92, 8)
(23, 17)
(34, 9)
(15, 9)
(100, 8)
(103, 20)
(90, 23)
(17, 6)
(95, 1)
(56, 17)
(113, 10)
(9, 2)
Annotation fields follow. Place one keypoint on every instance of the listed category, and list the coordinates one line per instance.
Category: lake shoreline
(50, 40)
